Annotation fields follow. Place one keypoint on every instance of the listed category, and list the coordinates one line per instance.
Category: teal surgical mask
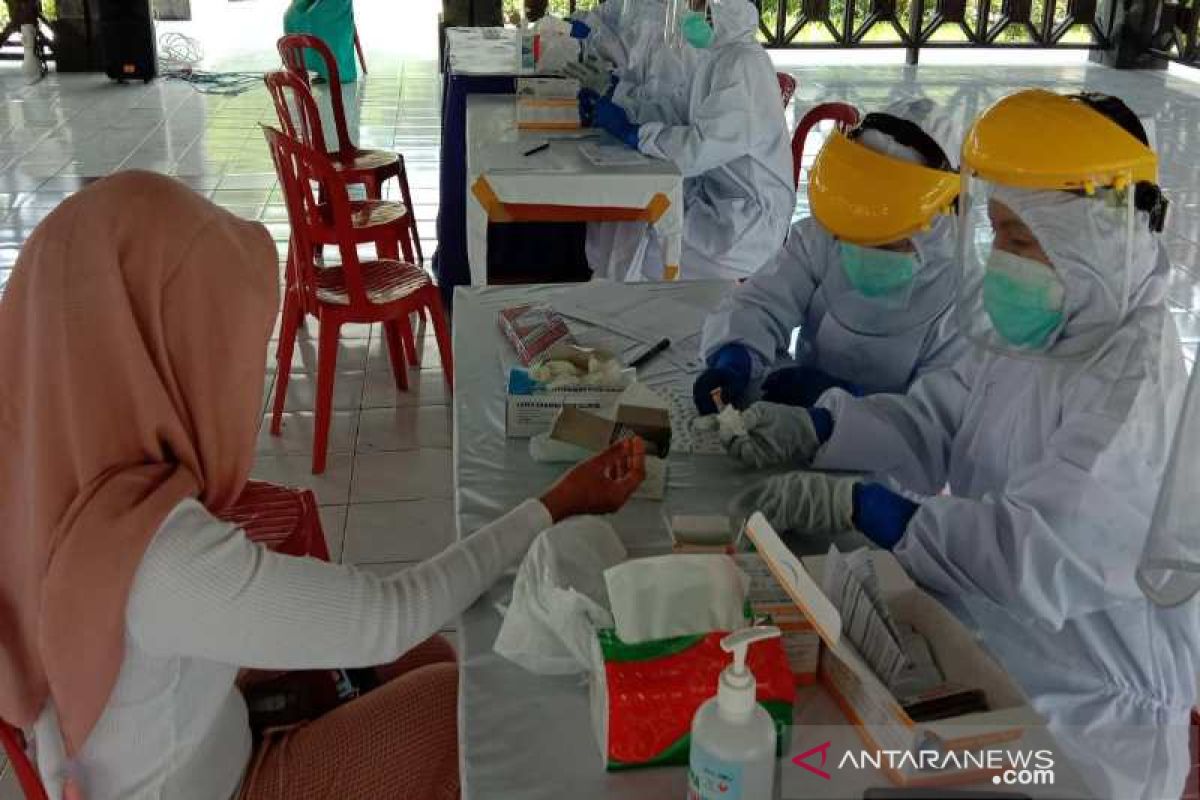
(696, 30)
(875, 273)
(1023, 298)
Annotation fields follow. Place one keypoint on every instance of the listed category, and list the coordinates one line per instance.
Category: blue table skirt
(528, 252)
(450, 264)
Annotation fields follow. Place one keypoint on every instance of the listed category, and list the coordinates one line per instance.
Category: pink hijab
(132, 347)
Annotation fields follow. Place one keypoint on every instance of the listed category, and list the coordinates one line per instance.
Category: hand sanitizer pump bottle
(733, 737)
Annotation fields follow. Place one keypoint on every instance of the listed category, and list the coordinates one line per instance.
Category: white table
(529, 737)
(558, 184)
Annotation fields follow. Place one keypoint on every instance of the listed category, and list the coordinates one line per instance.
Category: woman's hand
(600, 485)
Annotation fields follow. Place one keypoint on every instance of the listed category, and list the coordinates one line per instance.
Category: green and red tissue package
(644, 699)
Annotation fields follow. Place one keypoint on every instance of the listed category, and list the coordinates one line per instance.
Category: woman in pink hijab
(132, 341)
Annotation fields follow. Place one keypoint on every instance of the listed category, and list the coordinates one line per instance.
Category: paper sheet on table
(510, 157)
(849, 581)
(604, 154)
(645, 319)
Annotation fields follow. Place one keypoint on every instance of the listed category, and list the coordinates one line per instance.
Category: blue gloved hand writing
(580, 30)
(881, 514)
(801, 386)
(728, 370)
(612, 118)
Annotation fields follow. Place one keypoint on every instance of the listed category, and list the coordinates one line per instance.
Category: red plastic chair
(27, 775)
(380, 222)
(355, 165)
(845, 115)
(787, 87)
(279, 518)
(385, 289)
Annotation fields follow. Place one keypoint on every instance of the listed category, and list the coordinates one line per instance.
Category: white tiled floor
(386, 494)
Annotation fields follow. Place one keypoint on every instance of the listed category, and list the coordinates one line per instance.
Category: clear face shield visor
(1046, 273)
(687, 24)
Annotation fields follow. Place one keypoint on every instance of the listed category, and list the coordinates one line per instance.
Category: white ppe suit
(718, 116)
(844, 333)
(1053, 468)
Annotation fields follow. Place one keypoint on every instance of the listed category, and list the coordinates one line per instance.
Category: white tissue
(559, 598)
(676, 595)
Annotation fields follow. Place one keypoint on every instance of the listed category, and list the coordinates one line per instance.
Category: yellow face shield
(1081, 149)
(870, 199)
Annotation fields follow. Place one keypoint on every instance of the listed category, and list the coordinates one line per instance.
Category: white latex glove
(809, 503)
(774, 435)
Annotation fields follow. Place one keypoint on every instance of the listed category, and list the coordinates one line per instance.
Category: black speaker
(127, 44)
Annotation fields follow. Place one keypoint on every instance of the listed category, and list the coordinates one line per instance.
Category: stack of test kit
(885, 721)
(547, 104)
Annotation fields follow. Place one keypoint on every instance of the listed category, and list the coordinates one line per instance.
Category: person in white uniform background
(1051, 435)
(712, 107)
(869, 279)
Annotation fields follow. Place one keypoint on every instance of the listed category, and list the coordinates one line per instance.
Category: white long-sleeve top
(206, 601)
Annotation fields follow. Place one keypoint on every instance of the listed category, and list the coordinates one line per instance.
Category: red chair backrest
(27, 775)
(291, 50)
(279, 518)
(845, 115)
(787, 87)
(300, 168)
(296, 108)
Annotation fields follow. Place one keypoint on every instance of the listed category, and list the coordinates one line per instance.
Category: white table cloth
(529, 737)
(558, 176)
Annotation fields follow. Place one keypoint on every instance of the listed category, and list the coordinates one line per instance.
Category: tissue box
(644, 696)
(867, 702)
(547, 103)
(531, 407)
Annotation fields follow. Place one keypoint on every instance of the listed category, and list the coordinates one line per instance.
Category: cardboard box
(548, 104)
(531, 407)
(866, 701)
(595, 432)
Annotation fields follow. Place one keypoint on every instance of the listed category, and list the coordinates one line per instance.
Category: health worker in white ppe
(1051, 436)
(870, 278)
(711, 105)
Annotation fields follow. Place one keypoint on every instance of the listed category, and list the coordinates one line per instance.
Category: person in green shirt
(332, 21)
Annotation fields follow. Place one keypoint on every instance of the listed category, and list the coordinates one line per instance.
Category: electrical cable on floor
(178, 56)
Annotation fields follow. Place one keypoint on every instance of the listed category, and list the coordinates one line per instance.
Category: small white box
(531, 408)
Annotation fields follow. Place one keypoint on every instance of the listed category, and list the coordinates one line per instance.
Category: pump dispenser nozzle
(736, 690)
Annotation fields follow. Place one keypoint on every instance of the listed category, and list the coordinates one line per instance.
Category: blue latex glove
(612, 118)
(801, 386)
(728, 370)
(822, 421)
(587, 107)
(612, 85)
(580, 30)
(881, 514)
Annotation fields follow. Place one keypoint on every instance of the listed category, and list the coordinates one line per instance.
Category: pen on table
(538, 149)
(651, 353)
